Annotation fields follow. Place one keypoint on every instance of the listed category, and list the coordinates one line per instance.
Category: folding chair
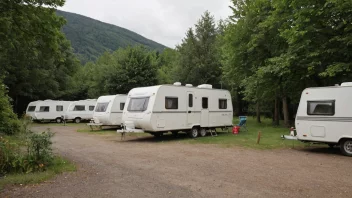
(243, 121)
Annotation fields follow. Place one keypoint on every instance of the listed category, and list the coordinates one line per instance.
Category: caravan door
(205, 112)
(191, 114)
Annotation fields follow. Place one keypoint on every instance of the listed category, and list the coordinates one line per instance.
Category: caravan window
(59, 108)
(190, 100)
(204, 103)
(44, 109)
(91, 108)
(321, 107)
(122, 105)
(31, 108)
(171, 103)
(138, 104)
(101, 107)
(79, 108)
(222, 103)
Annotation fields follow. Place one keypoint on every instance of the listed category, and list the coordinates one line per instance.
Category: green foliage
(35, 56)
(38, 155)
(91, 38)
(9, 123)
(117, 72)
(198, 60)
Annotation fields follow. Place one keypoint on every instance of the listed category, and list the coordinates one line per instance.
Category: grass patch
(59, 166)
(270, 138)
(70, 124)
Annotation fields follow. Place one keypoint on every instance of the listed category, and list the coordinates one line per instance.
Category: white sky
(164, 21)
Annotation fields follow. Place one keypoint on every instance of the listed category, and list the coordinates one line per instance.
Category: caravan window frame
(80, 106)
(171, 98)
(122, 105)
(59, 108)
(205, 103)
(30, 108)
(222, 100)
(43, 108)
(144, 107)
(91, 108)
(332, 102)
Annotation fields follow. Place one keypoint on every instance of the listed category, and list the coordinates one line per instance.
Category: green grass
(270, 138)
(59, 166)
(70, 124)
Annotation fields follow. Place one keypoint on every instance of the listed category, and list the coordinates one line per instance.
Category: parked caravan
(173, 108)
(32, 108)
(51, 110)
(108, 110)
(81, 110)
(325, 116)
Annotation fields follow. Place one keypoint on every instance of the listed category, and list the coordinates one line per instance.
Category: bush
(37, 156)
(9, 123)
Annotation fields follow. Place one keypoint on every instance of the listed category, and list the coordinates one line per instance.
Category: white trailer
(32, 108)
(51, 110)
(81, 110)
(174, 108)
(108, 110)
(325, 116)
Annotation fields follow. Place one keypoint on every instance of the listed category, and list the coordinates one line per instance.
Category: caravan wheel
(77, 120)
(203, 132)
(58, 120)
(346, 147)
(194, 132)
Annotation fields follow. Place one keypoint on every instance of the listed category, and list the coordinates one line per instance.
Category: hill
(90, 38)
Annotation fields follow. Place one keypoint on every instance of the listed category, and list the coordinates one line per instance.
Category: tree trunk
(276, 114)
(285, 111)
(258, 112)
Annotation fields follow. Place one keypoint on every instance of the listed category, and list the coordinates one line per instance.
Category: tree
(9, 123)
(199, 63)
(35, 57)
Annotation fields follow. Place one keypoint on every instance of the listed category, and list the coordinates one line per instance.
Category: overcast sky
(164, 21)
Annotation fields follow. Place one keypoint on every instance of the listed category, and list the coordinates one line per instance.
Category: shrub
(9, 123)
(38, 157)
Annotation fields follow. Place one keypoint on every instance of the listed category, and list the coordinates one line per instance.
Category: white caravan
(32, 108)
(325, 116)
(51, 110)
(81, 110)
(108, 110)
(173, 108)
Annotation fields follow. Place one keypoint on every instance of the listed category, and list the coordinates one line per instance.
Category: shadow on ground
(322, 150)
(165, 138)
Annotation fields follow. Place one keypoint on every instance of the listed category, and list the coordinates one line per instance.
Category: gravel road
(142, 167)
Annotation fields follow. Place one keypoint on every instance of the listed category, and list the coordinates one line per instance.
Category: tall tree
(35, 57)
(199, 62)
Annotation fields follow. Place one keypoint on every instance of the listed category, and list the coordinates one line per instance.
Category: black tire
(203, 132)
(77, 120)
(58, 120)
(346, 147)
(157, 134)
(194, 132)
(175, 133)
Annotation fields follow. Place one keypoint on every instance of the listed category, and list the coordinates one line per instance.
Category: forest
(266, 53)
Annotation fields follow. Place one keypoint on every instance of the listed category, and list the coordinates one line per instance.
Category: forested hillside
(91, 38)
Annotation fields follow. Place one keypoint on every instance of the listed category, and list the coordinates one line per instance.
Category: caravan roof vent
(189, 85)
(205, 86)
(346, 84)
(177, 84)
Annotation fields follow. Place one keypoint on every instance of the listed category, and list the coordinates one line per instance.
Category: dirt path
(143, 168)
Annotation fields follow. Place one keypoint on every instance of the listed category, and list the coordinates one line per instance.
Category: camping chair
(243, 121)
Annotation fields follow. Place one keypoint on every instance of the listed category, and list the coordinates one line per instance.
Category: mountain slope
(90, 38)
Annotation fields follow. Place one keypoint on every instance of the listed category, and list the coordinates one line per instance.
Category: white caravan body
(174, 108)
(81, 110)
(50, 110)
(325, 114)
(32, 108)
(108, 110)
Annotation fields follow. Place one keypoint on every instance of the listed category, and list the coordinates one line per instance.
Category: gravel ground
(141, 167)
